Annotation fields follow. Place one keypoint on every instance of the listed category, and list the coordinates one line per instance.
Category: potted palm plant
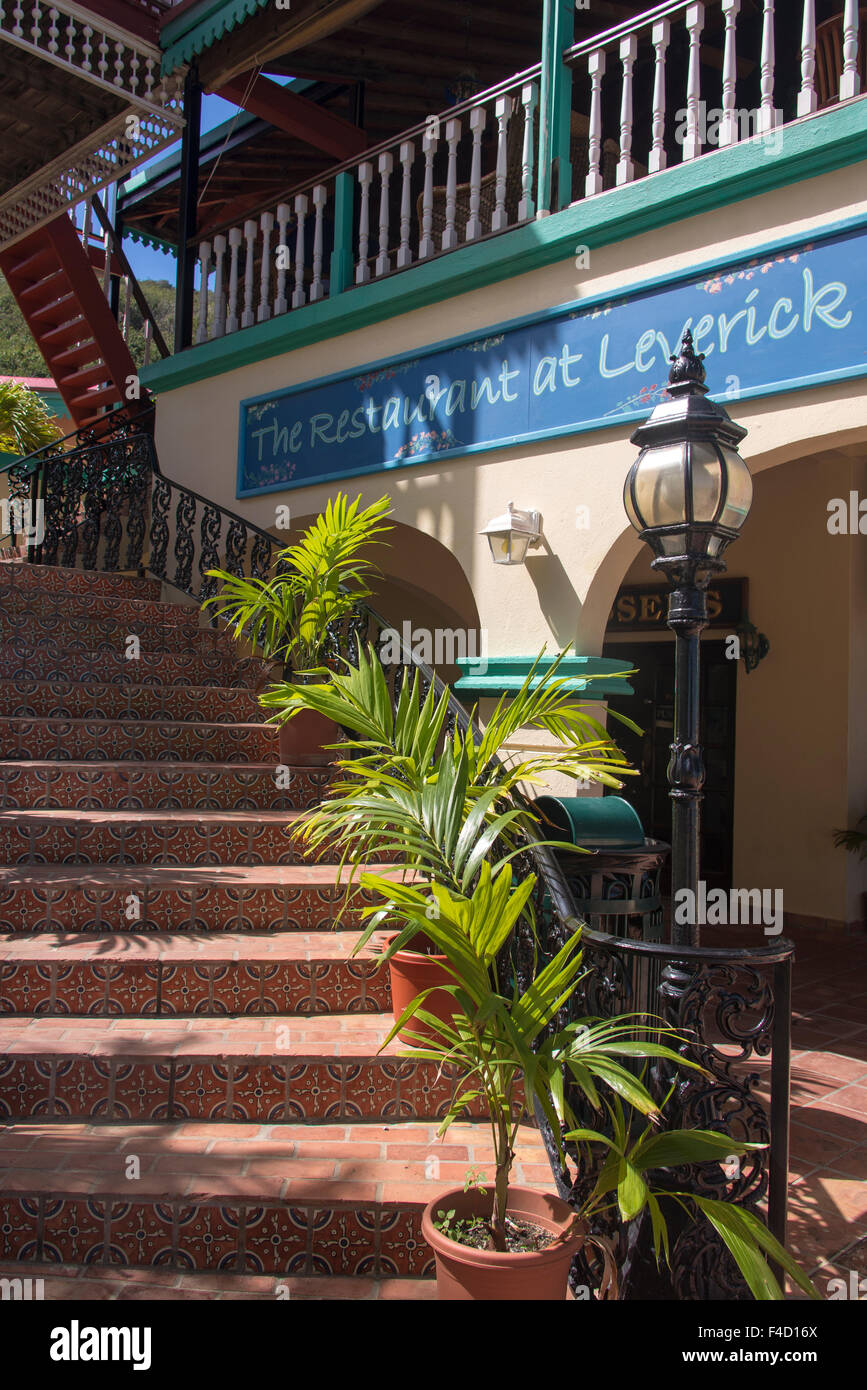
(510, 1242)
(314, 584)
(438, 805)
(855, 842)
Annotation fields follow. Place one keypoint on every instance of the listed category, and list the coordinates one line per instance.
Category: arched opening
(785, 743)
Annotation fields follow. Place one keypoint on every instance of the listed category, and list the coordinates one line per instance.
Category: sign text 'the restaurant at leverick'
(764, 325)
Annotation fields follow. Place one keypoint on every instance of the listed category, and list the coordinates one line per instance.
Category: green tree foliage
(19, 355)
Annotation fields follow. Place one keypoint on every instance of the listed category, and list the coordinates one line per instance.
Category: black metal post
(188, 210)
(687, 616)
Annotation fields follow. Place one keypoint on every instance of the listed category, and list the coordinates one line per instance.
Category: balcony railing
(677, 83)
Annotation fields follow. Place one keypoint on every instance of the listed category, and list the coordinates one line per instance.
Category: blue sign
(784, 319)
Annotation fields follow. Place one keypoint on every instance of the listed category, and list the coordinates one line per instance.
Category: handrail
(53, 445)
(138, 294)
(624, 28)
(517, 79)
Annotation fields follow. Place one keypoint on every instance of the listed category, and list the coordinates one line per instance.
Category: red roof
(36, 383)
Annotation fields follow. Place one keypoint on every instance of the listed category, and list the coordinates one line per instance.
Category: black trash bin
(616, 886)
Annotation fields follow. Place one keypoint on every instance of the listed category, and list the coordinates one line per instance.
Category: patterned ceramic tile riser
(212, 975)
(67, 633)
(155, 786)
(70, 899)
(171, 703)
(275, 1070)
(47, 604)
(148, 837)
(52, 579)
(315, 1200)
(25, 661)
(140, 740)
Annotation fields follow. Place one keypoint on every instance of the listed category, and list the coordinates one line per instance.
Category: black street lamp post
(687, 494)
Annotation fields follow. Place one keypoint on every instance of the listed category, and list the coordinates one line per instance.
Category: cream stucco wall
(564, 592)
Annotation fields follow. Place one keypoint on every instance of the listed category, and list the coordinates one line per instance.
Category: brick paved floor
(828, 1168)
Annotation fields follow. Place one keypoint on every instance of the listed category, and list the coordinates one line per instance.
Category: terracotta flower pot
(411, 972)
(301, 740)
(465, 1273)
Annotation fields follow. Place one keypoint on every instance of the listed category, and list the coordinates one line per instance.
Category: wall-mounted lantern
(511, 535)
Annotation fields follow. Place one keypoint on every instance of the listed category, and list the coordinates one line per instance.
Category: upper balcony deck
(684, 107)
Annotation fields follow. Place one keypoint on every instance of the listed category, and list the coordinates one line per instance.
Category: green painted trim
(815, 145)
(555, 102)
(145, 239)
(340, 277)
(191, 33)
(594, 676)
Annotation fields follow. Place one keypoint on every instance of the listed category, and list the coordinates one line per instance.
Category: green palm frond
(26, 423)
(315, 582)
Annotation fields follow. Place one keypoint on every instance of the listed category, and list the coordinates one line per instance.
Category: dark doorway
(652, 707)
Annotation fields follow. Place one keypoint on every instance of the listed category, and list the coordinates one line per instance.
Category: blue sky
(146, 261)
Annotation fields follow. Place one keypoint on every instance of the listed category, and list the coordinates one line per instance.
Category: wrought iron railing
(108, 507)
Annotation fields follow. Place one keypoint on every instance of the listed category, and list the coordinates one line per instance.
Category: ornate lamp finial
(687, 371)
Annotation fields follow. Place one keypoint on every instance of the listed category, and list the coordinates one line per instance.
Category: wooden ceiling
(399, 60)
(44, 111)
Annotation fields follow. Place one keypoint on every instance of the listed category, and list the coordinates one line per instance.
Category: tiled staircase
(192, 1103)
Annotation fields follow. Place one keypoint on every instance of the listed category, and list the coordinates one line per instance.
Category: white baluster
(450, 234)
(626, 164)
(407, 159)
(18, 14)
(596, 69)
(365, 178)
(248, 317)
(426, 244)
(478, 116)
(87, 48)
(150, 78)
(118, 64)
(205, 264)
(266, 222)
(133, 72)
(808, 99)
(527, 205)
(320, 197)
(284, 213)
(850, 82)
(767, 116)
(102, 65)
(692, 145)
(728, 131)
(69, 46)
(383, 260)
(301, 205)
(503, 112)
(53, 30)
(106, 267)
(125, 319)
(661, 37)
(36, 27)
(85, 224)
(232, 315)
(218, 327)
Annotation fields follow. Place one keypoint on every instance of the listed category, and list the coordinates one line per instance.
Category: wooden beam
(295, 115)
(272, 33)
